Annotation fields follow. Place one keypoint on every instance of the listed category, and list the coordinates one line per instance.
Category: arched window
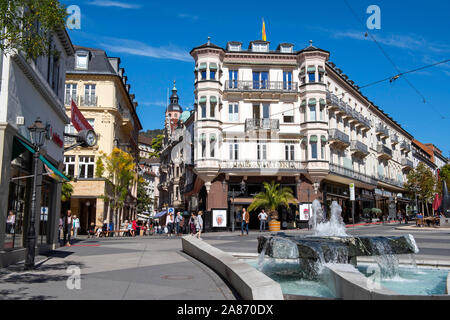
(212, 107)
(312, 109)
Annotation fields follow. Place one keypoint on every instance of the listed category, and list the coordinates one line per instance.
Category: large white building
(31, 89)
(293, 117)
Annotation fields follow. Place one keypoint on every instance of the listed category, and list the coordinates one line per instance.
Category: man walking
(68, 226)
(245, 221)
(262, 220)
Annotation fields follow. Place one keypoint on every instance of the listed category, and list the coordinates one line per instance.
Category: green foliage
(27, 25)
(152, 134)
(66, 191)
(119, 171)
(272, 198)
(376, 211)
(157, 146)
(143, 199)
(445, 176)
(99, 168)
(421, 181)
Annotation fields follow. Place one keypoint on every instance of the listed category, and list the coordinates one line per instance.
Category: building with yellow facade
(98, 85)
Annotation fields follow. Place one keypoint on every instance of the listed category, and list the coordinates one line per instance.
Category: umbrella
(437, 202)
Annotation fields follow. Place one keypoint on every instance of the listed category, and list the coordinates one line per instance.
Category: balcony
(405, 146)
(384, 152)
(338, 137)
(262, 124)
(359, 148)
(89, 101)
(68, 100)
(382, 130)
(390, 181)
(350, 173)
(343, 107)
(394, 139)
(407, 164)
(270, 86)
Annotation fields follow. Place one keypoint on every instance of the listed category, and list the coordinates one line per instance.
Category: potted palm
(271, 199)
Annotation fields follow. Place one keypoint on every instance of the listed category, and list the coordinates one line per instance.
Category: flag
(78, 120)
(52, 173)
(264, 36)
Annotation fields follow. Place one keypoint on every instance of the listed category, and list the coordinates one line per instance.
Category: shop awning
(160, 214)
(49, 166)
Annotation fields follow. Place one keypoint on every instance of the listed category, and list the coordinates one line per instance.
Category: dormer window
(260, 47)
(234, 47)
(82, 60)
(286, 48)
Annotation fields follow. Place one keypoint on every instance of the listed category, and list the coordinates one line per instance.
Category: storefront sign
(352, 192)
(54, 136)
(219, 218)
(305, 211)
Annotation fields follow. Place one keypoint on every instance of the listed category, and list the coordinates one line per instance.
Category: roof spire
(174, 85)
(209, 41)
(310, 43)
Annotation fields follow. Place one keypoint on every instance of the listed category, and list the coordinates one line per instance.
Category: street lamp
(37, 132)
(233, 194)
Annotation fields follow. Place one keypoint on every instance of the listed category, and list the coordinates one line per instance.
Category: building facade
(97, 83)
(293, 117)
(149, 171)
(145, 147)
(31, 89)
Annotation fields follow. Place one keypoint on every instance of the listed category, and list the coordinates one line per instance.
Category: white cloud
(187, 16)
(107, 3)
(138, 48)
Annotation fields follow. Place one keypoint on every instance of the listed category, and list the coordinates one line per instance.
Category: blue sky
(153, 40)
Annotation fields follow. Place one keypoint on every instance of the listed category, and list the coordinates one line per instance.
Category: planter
(274, 226)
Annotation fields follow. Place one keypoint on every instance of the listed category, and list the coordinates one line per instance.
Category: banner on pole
(78, 120)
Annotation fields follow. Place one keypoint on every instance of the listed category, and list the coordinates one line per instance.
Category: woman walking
(199, 226)
(192, 223)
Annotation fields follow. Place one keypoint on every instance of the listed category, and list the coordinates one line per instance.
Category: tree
(445, 176)
(144, 201)
(66, 191)
(119, 172)
(421, 182)
(272, 198)
(157, 146)
(26, 25)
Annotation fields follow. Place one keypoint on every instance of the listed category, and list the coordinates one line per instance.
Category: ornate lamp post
(233, 194)
(37, 132)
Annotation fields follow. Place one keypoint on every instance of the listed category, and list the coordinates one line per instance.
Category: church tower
(173, 111)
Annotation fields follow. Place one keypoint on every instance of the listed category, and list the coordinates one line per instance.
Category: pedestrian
(245, 221)
(199, 226)
(192, 223)
(10, 222)
(76, 226)
(182, 225)
(134, 227)
(169, 223)
(68, 226)
(262, 220)
(61, 227)
(105, 228)
(178, 220)
(91, 230)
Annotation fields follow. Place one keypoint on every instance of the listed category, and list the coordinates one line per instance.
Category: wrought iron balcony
(89, 101)
(394, 139)
(272, 86)
(337, 136)
(334, 101)
(68, 100)
(384, 152)
(383, 130)
(405, 146)
(359, 147)
(408, 164)
(350, 173)
(262, 124)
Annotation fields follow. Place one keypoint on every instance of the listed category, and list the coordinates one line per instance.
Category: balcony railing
(89, 101)
(384, 151)
(359, 147)
(350, 173)
(394, 139)
(68, 100)
(339, 136)
(407, 163)
(405, 146)
(344, 107)
(382, 130)
(261, 164)
(262, 124)
(275, 86)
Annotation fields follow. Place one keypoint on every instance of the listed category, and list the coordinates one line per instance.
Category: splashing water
(386, 260)
(335, 227)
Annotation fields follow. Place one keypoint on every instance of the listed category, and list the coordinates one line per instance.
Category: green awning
(302, 70)
(203, 137)
(212, 138)
(323, 139)
(311, 69)
(312, 102)
(313, 139)
(321, 69)
(303, 103)
(322, 102)
(45, 161)
(18, 148)
(202, 66)
(202, 100)
(213, 99)
(213, 66)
